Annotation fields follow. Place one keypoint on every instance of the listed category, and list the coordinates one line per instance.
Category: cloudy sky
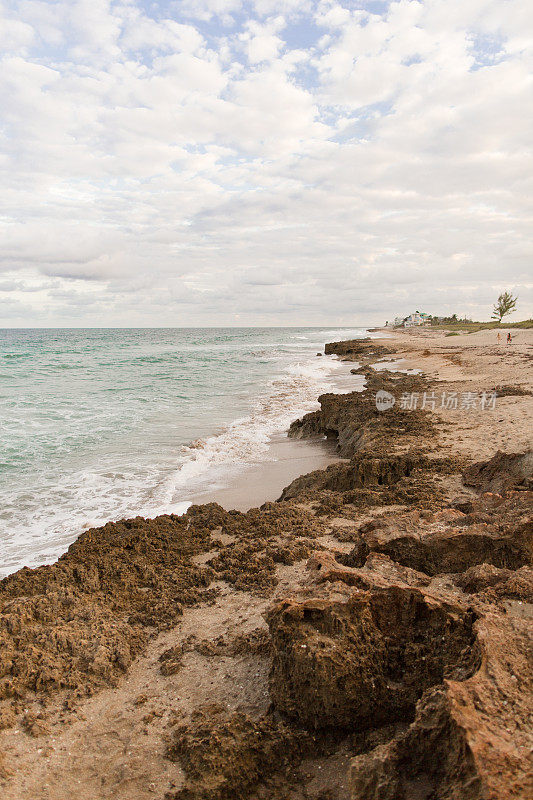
(263, 162)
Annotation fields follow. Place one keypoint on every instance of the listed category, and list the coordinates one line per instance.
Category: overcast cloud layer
(273, 162)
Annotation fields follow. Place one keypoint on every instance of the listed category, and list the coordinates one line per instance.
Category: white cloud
(262, 43)
(299, 162)
(207, 9)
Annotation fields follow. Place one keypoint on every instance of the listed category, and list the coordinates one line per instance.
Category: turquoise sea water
(103, 423)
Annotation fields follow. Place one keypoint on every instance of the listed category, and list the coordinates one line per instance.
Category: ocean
(102, 424)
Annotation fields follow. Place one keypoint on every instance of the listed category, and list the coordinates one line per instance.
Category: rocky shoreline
(366, 637)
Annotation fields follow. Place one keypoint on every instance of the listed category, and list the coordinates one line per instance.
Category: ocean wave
(346, 333)
(90, 496)
(206, 462)
(109, 442)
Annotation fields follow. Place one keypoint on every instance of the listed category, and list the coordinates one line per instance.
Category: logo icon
(384, 400)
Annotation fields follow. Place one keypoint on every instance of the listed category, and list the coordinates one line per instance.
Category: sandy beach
(265, 481)
(475, 363)
(364, 638)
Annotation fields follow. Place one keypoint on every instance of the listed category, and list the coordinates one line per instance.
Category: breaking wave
(101, 425)
(246, 440)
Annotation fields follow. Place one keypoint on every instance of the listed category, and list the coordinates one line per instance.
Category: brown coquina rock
(359, 428)
(364, 660)
(225, 755)
(372, 642)
(421, 543)
(362, 472)
(354, 348)
(79, 623)
(503, 471)
(471, 739)
(498, 583)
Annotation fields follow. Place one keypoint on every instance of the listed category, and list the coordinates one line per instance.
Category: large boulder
(471, 739)
(364, 659)
(503, 471)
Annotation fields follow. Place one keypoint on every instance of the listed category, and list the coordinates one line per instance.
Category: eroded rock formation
(399, 602)
(446, 653)
(364, 660)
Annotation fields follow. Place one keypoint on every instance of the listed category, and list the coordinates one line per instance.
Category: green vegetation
(454, 322)
(505, 305)
(473, 327)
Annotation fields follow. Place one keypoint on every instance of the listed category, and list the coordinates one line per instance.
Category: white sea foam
(109, 445)
(246, 441)
(344, 333)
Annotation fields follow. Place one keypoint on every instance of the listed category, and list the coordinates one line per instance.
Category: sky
(263, 162)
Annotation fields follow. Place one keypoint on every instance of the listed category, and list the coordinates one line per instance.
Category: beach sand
(474, 363)
(138, 666)
(266, 480)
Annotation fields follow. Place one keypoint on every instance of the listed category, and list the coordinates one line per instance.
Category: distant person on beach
(509, 338)
(499, 337)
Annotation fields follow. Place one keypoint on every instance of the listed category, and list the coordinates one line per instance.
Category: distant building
(418, 318)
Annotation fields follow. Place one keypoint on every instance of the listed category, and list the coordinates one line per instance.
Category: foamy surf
(117, 440)
(211, 461)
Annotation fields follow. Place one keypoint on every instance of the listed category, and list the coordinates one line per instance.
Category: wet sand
(288, 459)
(265, 481)
(151, 635)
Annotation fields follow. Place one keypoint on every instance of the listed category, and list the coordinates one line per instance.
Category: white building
(418, 318)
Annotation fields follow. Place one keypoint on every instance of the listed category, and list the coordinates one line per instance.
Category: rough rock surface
(503, 471)
(80, 622)
(498, 532)
(384, 643)
(470, 739)
(224, 756)
(449, 655)
(363, 661)
(354, 349)
(356, 424)
(396, 665)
